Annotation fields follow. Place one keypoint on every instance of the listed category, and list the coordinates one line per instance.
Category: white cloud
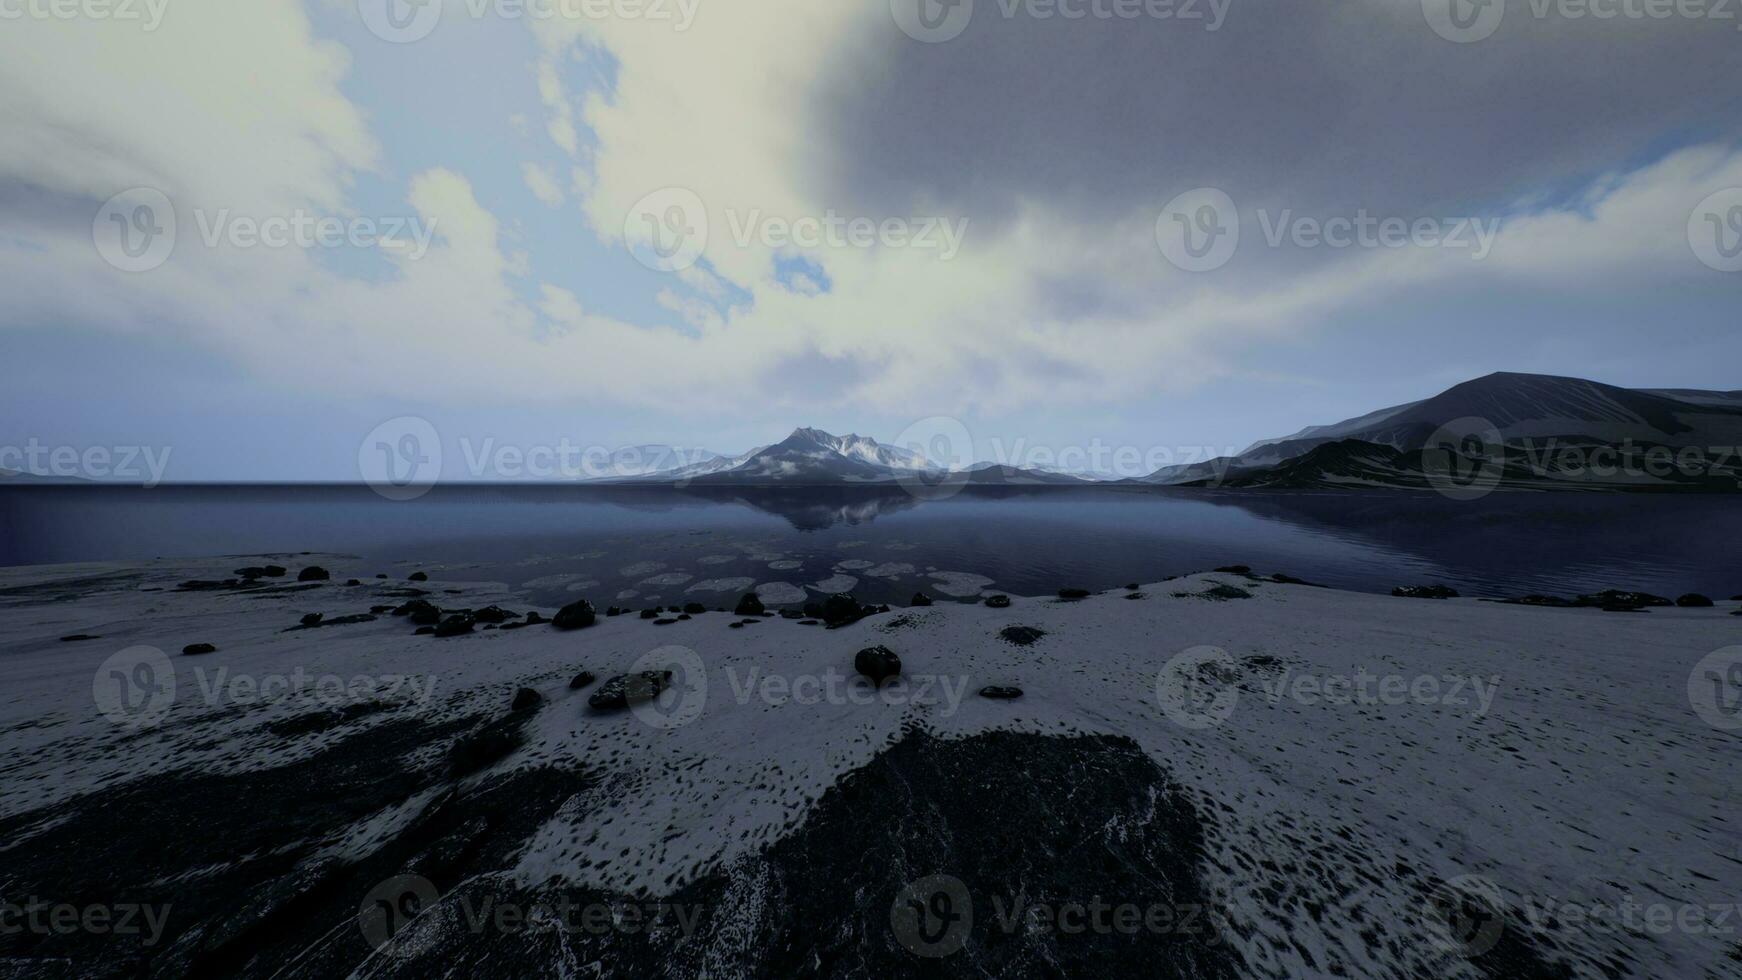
(543, 184)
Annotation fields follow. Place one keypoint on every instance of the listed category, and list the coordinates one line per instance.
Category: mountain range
(1523, 431)
(1530, 431)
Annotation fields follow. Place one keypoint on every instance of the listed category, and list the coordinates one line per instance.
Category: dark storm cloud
(1308, 104)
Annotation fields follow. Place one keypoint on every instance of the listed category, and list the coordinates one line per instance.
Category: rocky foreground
(265, 771)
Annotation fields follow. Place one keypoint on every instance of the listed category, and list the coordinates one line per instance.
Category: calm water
(670, 545)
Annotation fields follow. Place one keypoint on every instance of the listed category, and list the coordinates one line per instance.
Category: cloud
(1059, 295)
(543, 184)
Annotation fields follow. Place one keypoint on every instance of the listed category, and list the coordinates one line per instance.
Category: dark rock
(1693, 600)
(313, 619)
(683, 616)
(625, 690)
(250, 572)
(421, 612)
(533, 618)
(735, 626)
(1136, 595)
(920, 599)
(456, 625)
(1001, 693)
(418, 577)
(274, 571)
(581, 680)
(877, 663)
(425, 631)
(1133, 587)
(665, 622)
(1425, 592)
(354, 582)
(813, 610)
(380, 610)
(810, 622)
(750, 605)
(381, 575)
(1073, 595)
(1235, 570)
(843, 610)
(198, 649)
(526, 699)
(78, 638)
(1223, 593)
(695, 609)
(313, 573)
(649, 614)
(998, 602)
(575, 615)
(494, 614)
(1281, 579)
(1540, 600)
(1022, 636)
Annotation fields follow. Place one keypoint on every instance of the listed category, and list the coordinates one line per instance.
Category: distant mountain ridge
(1534, 418)
(813, 457)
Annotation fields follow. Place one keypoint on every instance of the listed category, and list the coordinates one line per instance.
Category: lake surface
(641, 546)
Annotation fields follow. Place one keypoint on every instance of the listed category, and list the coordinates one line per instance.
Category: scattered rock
(1235, 570)
(198, 649)
(1022, 636)
(425, 631)
(320, 623)
(575, 615)
(1425, 592)
(1074, 595)
(78, 638)
(354, 581)
(526, 699)
(582, 680)
(1693, 600)
(791, 614)
(313, 619)
(456, 625)
(920, 599)
(1001, 693)
(380, 610)
(314, 573)
(418, 577)
(842, 609)
(665, 622)
(421, 613)
(649, 614)
(533, 618)
(998, 602)
(1281, 579)
(622, 691)
(877, 663)
(750, 605)
(1133, 587)
(494, 614)
(695, 609)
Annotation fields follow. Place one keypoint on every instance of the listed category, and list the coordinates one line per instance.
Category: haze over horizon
(540, 182)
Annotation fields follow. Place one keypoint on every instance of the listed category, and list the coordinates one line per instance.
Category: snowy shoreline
(1554, 753)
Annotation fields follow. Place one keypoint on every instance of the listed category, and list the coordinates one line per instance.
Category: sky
(267, 238)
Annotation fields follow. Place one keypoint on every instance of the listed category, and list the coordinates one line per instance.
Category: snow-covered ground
(1347, 752)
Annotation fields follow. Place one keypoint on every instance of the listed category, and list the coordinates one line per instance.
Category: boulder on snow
(575, 615)
(878, 663)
